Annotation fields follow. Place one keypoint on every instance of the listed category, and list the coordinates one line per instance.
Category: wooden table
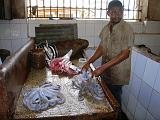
(72, 108)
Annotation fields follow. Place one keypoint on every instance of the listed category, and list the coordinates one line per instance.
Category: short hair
(114, 3)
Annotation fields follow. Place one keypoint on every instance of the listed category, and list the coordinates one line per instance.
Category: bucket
(3, 54)
(38, 58)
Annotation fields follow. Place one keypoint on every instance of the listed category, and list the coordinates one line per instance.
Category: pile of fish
(63, 65)
(47, 95)
(87, 86)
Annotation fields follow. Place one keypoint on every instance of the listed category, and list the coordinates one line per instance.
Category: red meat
(61, 66)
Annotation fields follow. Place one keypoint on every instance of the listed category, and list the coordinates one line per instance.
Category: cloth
(122, 37)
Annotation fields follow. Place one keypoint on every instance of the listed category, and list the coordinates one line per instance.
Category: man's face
(115, 14)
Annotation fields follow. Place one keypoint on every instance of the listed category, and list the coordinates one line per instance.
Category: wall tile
(18, 21)
(96, 41)
(150, 39)
(66, 21)
(90, 40)
(124, 109)
(135, 85)
(130, 81)
(132, 104)
(81, 30)
(24, 31)
(130, 116)
(152, 27)
(140, 113)
(133, 60)
(81, 21)
(32, 29)
(150, 72)
(138, 39)
(145, 94)
(157, 81)
(5, 31)
(98, 28)
(149, 117)
(15, 31)
(6, 44)
(155, 49)
(140, 65)
(137, 26)
(90, 30)
(17, 43)
(4, 21)
(154, 105)
(125, 96)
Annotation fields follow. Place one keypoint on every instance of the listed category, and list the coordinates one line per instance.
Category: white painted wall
(14, 33)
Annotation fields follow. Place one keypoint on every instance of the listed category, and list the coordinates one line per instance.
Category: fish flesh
(63, 65)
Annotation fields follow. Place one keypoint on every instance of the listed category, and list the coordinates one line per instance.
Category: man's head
(115, 11)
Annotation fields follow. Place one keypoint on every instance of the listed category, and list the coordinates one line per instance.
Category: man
(115, 48)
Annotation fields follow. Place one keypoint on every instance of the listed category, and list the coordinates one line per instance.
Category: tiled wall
(141, 98)
(14, 33)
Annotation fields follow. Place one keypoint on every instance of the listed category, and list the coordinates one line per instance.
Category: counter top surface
(147, 52)
(71, 107)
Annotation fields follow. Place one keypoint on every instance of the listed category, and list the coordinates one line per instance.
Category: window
(80, 9)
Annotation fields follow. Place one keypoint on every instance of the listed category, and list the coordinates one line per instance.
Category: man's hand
(97, 72)
(85, 67)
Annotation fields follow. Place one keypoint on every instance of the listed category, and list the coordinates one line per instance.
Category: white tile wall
(18, 43)
(88, 29)
(157, 81)
(137, 27)
(140, 65)
(81, 30)
(150, 39)
(135, 85)
(155, 49)
(6, 44)
(133, 60)
(149, 117)
(5, 31)
(151, 72)
(154, 105)
(96, 41)
(143, 90)
(14, 33)
(132, 104)
(125, 96)
(145, 94)
(140, 113)
(130, 116)
(152, 27)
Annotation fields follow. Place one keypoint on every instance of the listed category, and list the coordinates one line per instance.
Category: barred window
(80, 9)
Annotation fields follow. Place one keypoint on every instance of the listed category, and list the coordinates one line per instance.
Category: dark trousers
(116, 90)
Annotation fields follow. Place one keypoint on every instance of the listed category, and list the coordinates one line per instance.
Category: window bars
(80, 9)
